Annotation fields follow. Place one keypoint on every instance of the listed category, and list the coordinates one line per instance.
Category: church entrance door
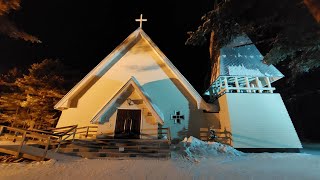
(128, 124)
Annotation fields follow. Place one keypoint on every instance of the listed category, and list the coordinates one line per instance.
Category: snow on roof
(242, 58)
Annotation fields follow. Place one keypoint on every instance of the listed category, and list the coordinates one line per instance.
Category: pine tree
(284, 31)
(30, 98)
(11, 96)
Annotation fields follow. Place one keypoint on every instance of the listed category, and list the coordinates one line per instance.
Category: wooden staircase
(79, 141)
(23, 143)
(117, 148)
(33, 144)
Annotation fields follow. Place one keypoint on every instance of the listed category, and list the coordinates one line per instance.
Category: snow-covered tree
(29, 98)
(10, 96)
(284, 31)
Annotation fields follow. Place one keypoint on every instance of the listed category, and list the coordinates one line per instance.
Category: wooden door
(128, 124)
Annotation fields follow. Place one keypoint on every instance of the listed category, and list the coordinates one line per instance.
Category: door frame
(128, 108)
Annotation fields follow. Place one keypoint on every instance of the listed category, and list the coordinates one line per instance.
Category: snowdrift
(193, 148)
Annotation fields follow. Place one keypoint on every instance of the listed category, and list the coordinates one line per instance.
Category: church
(135, 91)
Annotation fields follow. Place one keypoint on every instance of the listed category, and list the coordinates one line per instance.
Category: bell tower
(250, 109)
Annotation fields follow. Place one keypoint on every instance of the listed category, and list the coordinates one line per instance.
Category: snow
(242, 70)
(191, 159)
(194, 149)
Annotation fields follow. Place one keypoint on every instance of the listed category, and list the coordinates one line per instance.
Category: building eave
(132, 81)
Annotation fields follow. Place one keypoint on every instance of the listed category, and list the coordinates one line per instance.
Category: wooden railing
(63, 134)
(25, 136)
(159, 132)
(239, 84)
(167, 132)
(59, 135)
(86, 131)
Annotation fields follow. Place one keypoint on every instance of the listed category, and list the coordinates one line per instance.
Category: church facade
(137, 84)
(136, 89)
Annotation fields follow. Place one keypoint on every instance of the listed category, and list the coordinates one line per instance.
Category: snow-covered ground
(191, 159)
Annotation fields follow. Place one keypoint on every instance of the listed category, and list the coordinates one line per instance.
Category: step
(95, 155)
(96, 148)
(117, 145)
(67, 150)
(95, 141)
(109, 148)
(122, 140)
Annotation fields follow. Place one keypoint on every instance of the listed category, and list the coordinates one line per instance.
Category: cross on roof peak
(141, 20)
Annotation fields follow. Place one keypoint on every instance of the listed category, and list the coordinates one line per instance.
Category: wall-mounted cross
(141, 20)
(177, 117)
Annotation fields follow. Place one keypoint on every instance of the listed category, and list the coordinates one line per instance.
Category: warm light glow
(314, 8)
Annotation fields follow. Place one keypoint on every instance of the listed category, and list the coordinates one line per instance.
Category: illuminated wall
(257, 121)
(156, 79)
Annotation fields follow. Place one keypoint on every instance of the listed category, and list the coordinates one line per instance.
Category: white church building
(136, 89)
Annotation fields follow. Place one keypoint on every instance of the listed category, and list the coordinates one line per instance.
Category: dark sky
(82, 33)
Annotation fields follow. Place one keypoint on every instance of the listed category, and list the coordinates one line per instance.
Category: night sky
(81, 33)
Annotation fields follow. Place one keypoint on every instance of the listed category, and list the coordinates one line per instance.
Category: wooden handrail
(72, 128)
(84, 127)
(11, 129)
(62, 136)
(26, 134)
(65, 127)
(166, 131)
(86, 130)
(43, 132)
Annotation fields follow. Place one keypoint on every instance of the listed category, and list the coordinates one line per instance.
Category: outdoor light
(130, 102)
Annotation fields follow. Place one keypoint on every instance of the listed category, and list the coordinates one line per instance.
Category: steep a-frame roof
(115, 56)
(132, 82)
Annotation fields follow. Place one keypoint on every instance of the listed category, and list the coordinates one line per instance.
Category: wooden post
(46, 149)
(216, 87)
(237, 83)
(268, 84)
(258, 85)
(252, 88)
(226, 84)
(247, 84)
(1, 130)
(60, 139)
(74, 134)
(169, 135)
(87, 132)
(21, 144)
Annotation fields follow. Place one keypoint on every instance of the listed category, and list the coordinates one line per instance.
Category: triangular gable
(145, 97)
(114, 57)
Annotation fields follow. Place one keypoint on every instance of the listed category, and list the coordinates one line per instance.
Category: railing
(60, 135)
(167, 132)
(27, 135)
(240, 84)
(159, 132)
(86, 131)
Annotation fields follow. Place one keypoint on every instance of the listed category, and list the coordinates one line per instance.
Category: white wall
(154, 76)
(258, 121)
